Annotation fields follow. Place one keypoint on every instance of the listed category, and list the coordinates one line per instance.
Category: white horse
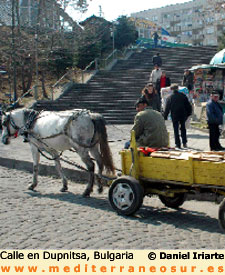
(58, 131)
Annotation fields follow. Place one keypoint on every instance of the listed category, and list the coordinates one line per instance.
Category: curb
(44, 170)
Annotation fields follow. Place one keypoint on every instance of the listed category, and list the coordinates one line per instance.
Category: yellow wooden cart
(170, 174)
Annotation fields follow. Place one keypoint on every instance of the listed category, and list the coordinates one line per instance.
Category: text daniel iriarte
(192, 256)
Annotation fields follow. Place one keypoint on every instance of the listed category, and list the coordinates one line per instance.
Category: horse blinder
(6, 122)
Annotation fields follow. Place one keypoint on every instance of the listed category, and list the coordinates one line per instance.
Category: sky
(112, 9)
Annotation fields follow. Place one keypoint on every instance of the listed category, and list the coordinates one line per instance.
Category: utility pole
(113, 34)
(36, 65)
(100, 11)
(13, 53)
(36, 48)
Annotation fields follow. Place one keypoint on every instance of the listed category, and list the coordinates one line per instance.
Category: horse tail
(106, 154)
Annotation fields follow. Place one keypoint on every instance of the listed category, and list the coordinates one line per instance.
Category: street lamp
(113, 36)
(36, 66)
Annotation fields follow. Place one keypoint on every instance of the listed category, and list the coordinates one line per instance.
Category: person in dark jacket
(214, 114)
(151, 95)
(188, 80)
(157, 60)
(155, 38)
(180, 108)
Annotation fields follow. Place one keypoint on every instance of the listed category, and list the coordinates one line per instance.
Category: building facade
(197, 22)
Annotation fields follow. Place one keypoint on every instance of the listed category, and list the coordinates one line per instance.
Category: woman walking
(151, 95)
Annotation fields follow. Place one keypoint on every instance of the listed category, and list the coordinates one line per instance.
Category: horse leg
(85, 157)
(36, 159)
(64, 180)
(97, 156)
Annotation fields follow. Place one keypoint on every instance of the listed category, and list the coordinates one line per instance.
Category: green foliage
(125, 32)
(97, 38)
(221, 41)
(86, 53)
(59, 60)
(95, 41)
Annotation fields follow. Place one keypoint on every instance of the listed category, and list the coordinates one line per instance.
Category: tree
(27, 45)
(95, 41)
(81, 5)
(60, 60)
(125, 32)
(221, 41)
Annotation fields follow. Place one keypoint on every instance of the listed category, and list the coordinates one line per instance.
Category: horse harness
(30, 116)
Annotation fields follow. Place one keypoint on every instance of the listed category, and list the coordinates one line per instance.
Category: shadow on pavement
(182, 218)
(197, 136)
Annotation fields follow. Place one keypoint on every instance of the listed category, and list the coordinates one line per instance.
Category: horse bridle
(9, 121)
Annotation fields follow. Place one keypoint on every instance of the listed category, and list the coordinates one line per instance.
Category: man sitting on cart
(149, 126)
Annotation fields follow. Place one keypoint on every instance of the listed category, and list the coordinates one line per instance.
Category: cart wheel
(126, 195)
(173, 202)
(222, 215)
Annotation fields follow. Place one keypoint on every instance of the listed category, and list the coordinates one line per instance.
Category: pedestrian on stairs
(157, 60)
(162, 82)
(155, 38)
(155, 75)
(152, 97)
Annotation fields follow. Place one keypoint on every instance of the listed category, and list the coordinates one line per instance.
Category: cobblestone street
(48, 219)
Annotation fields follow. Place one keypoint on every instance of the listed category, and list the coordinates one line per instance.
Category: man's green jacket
(150, 129)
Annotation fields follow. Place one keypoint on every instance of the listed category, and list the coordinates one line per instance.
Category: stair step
(113, 93)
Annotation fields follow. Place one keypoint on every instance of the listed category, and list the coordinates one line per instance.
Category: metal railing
(95, 61)
(57, 82)
(84, 75)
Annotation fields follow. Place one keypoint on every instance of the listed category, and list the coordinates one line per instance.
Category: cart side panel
(164, 169)
(188, 171)
(210, 173)
(158, 168)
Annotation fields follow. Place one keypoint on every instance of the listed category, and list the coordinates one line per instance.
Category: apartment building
(197, 22)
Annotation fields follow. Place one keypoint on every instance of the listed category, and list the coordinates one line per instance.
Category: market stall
(208, 77)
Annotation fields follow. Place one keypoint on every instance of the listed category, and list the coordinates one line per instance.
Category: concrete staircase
(113, 93)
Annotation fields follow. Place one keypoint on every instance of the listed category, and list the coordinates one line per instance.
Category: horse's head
(6, 131)
(9, 128)
(5, 128)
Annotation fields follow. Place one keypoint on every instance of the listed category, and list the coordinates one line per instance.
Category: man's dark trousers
(176, 125)
(214, 134)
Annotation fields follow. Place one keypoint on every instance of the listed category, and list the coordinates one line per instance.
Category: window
(210, 30)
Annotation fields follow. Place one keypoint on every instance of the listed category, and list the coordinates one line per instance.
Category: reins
(70, 162)
(44, 155)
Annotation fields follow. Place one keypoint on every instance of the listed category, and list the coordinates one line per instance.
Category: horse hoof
(63, 189)
(86, 194)
(31, 188)
(100, 190)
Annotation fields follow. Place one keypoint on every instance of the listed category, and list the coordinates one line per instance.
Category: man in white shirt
(155, 75)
